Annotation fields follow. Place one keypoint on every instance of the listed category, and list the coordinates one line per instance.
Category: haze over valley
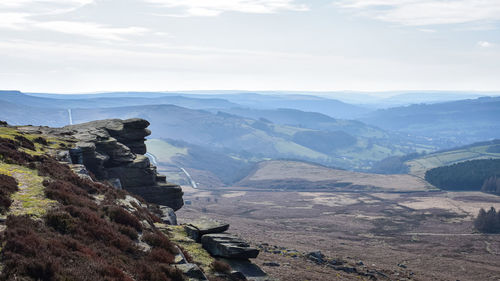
(260, 140)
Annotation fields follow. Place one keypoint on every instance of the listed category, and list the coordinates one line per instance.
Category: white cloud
(13, 20)
(43, 7)
(24, 15)
(18, 3)
(90, 29)
(216, 7)
(484, 44)
(426, 12)
(427, 30)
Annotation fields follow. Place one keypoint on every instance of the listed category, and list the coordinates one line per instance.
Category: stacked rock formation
(114, 149)
(226, 247)
(211, 234)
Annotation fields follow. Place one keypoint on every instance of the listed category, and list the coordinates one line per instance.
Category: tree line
(468, 175)
(491, 185)
(488, 221)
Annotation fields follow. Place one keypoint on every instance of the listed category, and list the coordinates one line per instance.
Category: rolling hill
(293, 175)
(447, 124)
(109, 100)
(310, 120)
(342, 143)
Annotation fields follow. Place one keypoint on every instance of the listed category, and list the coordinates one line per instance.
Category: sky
(76, 46)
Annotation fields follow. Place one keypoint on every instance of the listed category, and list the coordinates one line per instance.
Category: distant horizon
(388, 93)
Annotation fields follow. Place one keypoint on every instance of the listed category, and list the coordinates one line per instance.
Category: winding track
(154, 160)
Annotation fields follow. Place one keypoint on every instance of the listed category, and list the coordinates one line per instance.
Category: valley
(322, 197)
(418, 235)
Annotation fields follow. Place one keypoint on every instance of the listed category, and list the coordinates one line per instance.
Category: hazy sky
(370, 45)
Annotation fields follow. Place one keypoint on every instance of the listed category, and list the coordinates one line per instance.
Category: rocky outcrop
(113, 150)
(227, 248)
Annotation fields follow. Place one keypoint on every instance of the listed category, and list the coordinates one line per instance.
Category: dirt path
(30, 199)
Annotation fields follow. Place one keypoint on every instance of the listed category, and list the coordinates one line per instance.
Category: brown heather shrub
(119, 215)
(78, 242)
(68, 194)
(147, 214)
(117, 273)
(52, 168)
(159, 272)
(10, 154)
(159, 240)
(78, 247)
(155, 218)
(24, 142)
(61, 221)
(40, 140)
(220, 266)
(8, 185)
(161, 256)
(128, 231)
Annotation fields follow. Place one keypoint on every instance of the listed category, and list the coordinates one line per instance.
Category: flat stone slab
(228, 246)
(208, 226)
(197, 228)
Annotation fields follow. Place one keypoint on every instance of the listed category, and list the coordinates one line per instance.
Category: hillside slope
(258, 139)
(475, 151)
(65, 227)
(292, 175)
(58, 222)
(449, 124)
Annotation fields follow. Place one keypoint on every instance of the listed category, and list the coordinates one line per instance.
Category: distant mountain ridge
(458, 122)
(255, 126)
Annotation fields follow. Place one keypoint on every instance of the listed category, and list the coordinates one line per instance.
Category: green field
(420, 165)
(164, 151)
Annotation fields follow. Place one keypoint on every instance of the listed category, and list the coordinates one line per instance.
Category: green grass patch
(200, 256)
(164, 151)
(30, 199)
(420, 165)
(52, 142)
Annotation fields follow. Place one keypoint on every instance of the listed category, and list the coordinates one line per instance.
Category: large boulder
(228, 246)
(168, 215)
